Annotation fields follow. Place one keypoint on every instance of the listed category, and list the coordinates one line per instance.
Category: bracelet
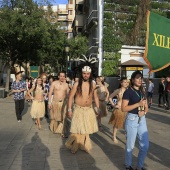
(49, 102)
(145, 113)
(69, 110)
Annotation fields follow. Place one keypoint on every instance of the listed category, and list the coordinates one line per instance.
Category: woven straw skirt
(83, 120)
(117, 118)
(37, 109)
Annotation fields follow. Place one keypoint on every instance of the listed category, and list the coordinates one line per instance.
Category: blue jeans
(133, 129)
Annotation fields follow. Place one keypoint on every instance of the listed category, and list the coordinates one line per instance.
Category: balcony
(70, 7)
(62, 18)
(63, 27)
(93, 46)
(62, 11)
(92, 19)
(70, 17)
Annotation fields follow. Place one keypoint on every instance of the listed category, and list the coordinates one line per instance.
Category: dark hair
(79, 87)
(121, 80)
(133, 76)
(50, 77)
(62, 72)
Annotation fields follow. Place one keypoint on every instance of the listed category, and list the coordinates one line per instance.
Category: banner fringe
(147, 40)
(160, 68)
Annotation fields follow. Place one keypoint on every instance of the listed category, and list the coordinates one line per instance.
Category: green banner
(157, 50)
(34, 71)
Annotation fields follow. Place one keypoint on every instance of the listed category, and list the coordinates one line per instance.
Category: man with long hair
(83, 117)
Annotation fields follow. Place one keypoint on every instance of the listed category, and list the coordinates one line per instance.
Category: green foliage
(21, 31)
(110, 64)
(26, 35)
(109, 6)
(78, 46)
(111, 43)
(52, 51)
(108, 15)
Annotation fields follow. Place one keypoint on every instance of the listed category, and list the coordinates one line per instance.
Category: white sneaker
(19, 120)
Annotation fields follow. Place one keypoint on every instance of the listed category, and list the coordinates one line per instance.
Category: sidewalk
(24, 147)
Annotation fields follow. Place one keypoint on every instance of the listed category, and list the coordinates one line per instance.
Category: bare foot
(39, 127)
(73, 152)
(115, 140)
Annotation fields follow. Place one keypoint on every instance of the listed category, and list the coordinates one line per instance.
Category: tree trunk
(7, 79)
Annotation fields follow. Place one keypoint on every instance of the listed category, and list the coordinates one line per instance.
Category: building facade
(89, 22)
(132, 60)
(63, 15)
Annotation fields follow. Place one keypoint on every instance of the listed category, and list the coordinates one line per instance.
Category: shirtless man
(83, 118)
(57, 105)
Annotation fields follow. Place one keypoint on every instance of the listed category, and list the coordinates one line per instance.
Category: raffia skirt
(83, 123)
(103, 108)
(57, 114)
(37, 109)
(117, 118)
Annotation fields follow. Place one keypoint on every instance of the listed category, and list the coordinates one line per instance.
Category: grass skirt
(117, 118)
(83, 123)
(57, 114)
(78, 141)
(37, 109)
(84, 120)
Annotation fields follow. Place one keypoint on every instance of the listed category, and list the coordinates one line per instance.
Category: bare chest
(60, 87)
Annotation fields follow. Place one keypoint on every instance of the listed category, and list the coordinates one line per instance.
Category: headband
(87, 69)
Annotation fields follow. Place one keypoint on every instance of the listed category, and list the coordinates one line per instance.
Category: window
(79, 29)
(79, 9)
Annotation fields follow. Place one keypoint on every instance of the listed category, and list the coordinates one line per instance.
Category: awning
(133, 63)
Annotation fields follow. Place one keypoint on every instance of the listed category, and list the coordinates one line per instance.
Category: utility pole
(100, 35)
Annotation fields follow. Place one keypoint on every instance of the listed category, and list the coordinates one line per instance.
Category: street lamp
(67, 49)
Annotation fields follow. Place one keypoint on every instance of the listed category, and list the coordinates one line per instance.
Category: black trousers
(162, 95)
(167, 97)
(19, 107)
(46, 109)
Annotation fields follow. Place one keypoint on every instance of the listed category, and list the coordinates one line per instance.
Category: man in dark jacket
(161, 91)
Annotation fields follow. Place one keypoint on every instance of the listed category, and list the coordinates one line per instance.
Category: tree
(52, 51)
(78, 46)
(111, 64)
(21, 32)
(135, 34)
(27, 35)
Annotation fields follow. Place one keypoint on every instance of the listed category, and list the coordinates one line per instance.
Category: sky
(55, 2)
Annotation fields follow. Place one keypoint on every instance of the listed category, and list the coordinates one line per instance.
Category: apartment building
(89, 22)
(64, 15)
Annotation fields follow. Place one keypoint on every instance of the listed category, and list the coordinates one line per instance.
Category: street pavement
(24, 147)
